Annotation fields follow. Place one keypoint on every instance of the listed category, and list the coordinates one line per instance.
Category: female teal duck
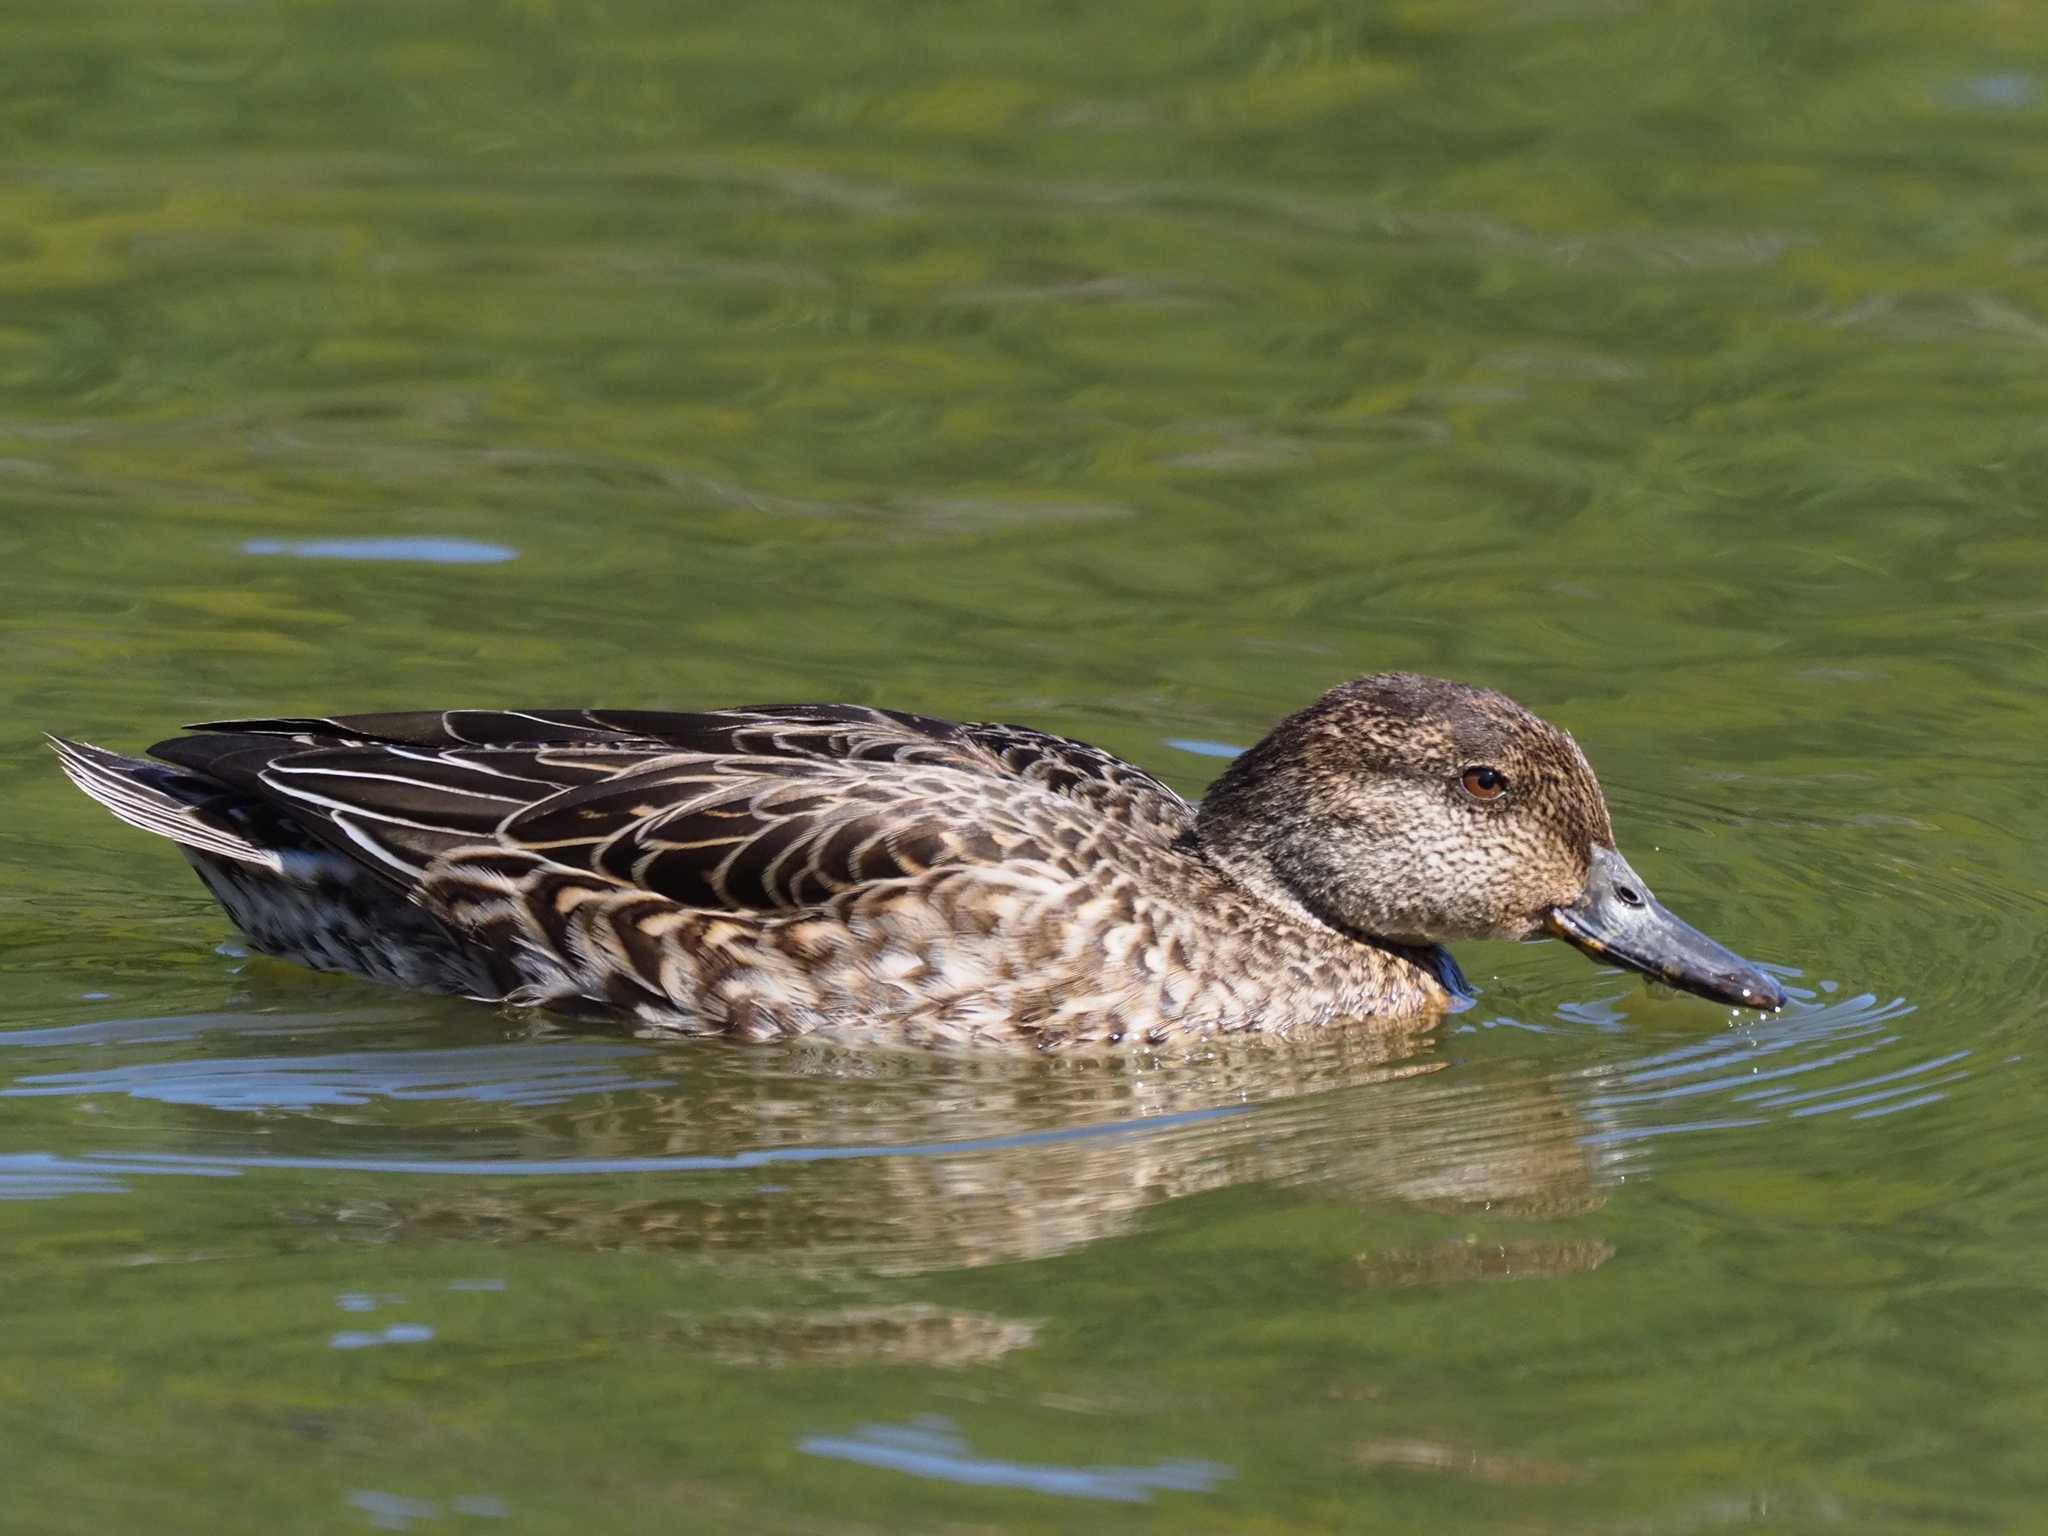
(764, 873)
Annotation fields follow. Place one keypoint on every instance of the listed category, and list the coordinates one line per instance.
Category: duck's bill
(1619, 921)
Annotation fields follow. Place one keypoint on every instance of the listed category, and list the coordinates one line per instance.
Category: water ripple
(930, 1446)
(1785, 1066)
(157, 1029)
(510, 1074)
(229, 1164)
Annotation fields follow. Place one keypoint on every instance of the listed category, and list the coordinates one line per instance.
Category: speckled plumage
(764, 873)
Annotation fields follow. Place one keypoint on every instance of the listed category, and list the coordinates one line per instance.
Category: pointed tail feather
(156, 797)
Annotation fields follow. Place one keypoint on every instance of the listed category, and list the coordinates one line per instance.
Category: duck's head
(1412, 810)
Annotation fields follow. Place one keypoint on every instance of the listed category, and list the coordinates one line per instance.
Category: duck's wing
(742, 810)
(1108, 785)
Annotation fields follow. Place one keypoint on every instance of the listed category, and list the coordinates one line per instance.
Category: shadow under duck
(769, 872)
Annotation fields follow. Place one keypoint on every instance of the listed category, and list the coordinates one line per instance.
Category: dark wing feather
(810, 730)
(398, 807)
(837, 732)
(425, 728)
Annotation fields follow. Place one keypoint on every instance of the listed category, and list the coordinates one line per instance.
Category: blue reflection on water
(502, 1074)
(160, 1028)
(397, 1333)
(397, 1512)
(436, 551)
(45, 1175)
(392, 1511)
(930, 1446)
(2003, 90)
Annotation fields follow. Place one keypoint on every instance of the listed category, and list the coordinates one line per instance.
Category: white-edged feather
(123, 785)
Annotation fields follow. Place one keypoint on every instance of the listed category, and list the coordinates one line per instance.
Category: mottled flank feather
(772, 872)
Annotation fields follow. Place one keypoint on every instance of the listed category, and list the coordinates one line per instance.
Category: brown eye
(1483, 783)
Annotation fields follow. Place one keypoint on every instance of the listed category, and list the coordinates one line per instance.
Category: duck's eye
(1482, 782)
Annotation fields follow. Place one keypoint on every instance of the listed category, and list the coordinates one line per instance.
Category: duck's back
(404, 788)
(769, 864)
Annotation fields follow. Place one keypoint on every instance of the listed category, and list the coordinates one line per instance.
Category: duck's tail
(156, 797)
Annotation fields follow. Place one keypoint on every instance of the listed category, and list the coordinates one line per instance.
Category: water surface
(1135, 373)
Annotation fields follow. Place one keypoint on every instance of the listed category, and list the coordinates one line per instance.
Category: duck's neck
(1238, 836)
(1242, 855)
(1349, 974)
(1250, 868)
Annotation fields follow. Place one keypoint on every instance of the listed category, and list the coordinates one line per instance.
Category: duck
(864, 874)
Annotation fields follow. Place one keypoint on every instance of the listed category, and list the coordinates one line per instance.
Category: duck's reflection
(854, 1336)
(894, 1164)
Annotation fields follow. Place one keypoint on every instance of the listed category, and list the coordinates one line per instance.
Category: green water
(1135, 371)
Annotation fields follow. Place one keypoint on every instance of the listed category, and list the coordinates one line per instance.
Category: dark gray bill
(1619, 921)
